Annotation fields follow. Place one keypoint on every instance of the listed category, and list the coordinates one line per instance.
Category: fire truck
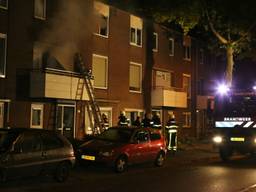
(235, 123)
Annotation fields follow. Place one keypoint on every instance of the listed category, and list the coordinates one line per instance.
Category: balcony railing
(52, 83)
(169, 97)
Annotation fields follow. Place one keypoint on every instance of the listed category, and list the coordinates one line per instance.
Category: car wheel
(225, 154)
(62, 171)
(120, 164)
(160, 159)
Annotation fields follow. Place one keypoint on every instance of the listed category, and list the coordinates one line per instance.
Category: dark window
(155, 136)
(51, 141)
(103, 26)
(2, 54)
(142, 136)
(28, 143)
(133, 35)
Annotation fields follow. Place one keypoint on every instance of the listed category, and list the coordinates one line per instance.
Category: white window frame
(106, 72)
(40, 107)
(44, 11)
(4, 7)
(171, 52)
(141, 112)
(188, 91)
(136, 32)
(155, 49)
(187, 119)
(102, 15)
(187, 48)
(4, 36)
(140, 65)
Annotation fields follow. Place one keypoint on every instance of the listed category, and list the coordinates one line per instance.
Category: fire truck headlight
(217, 139)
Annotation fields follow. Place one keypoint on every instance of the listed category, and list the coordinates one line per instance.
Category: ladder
(86, 80)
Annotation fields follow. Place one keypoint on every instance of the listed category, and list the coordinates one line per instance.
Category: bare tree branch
(245, 35)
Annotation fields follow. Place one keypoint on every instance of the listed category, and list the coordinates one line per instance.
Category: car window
(142, 136)
(155, 136)
(118, 135)
(29, 142)
(51, 141)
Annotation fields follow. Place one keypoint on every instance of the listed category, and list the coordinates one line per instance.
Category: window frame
(4, 7)
(140, 65)
(44, 11)
(103, 16)
(136, 29)
(37, 106)
(4, 36)
(106, 72)
(187, 120)
(187, 52)
(189, 85)
(171, 51)
(155, 49)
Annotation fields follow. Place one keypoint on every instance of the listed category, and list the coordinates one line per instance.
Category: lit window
(37, 115)
(155, 42)
(4, 4)
(164, 79)
(3, 45)
(187, 119)
(187, 84)
(187, 53)
(102, 21)
(135, 77)
(171, 46)
(40, 9)
(99, 71)
(135, 31)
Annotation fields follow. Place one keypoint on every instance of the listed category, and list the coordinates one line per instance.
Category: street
(210, 175)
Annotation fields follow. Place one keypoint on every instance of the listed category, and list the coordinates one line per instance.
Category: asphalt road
(212, 176)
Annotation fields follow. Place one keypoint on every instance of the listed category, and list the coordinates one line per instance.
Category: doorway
(66, 120)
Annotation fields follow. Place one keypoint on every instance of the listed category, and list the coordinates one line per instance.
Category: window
(135, 31)
(187, 84)
(4, 4)
(155, 42)
(51, 141)
(100, 71)
(171, 46)
(28, 143)
(187, 119)
(37, 115)
(3, 45)
(102, 21)
(164, 79)
(135, 77)
(40, 9)
(132, 115)
(201, 56)
(142, 136)
(154, 136)
(187, 53)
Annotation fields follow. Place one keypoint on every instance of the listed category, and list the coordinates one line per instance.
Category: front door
(1, 115)
(65, 120)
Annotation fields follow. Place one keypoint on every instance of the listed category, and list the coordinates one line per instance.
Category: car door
(140, 151)
(26, 157)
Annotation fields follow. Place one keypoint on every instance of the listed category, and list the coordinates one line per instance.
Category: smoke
(68, 31)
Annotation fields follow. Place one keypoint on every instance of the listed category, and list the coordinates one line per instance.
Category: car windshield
(117, 135)
(6, 140)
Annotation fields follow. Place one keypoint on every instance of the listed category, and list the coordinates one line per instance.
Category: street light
(223, 89)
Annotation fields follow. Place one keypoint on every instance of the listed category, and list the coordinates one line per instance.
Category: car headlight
(106, 153)
(217, 139)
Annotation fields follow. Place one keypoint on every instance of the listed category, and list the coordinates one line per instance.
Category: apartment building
(138, 66)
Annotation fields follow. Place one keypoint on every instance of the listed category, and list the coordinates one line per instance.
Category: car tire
(225, 154)
(160, 159)
(120, 164)
(62, 171)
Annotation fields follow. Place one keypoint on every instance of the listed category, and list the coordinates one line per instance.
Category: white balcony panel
(169, 98)
(52, 85)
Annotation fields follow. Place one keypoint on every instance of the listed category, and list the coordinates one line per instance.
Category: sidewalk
(195, 152)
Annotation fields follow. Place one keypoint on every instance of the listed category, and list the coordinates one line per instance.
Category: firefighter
(171, 133)
(147, 122)
(156, 121)
(123, 121)
(137, 122)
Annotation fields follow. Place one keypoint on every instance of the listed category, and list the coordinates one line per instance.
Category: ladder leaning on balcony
(93, 108)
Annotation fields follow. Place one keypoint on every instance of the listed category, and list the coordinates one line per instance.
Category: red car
(120, 146)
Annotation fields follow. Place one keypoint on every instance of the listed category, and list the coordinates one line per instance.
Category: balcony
(169, 97)
(55, 84)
